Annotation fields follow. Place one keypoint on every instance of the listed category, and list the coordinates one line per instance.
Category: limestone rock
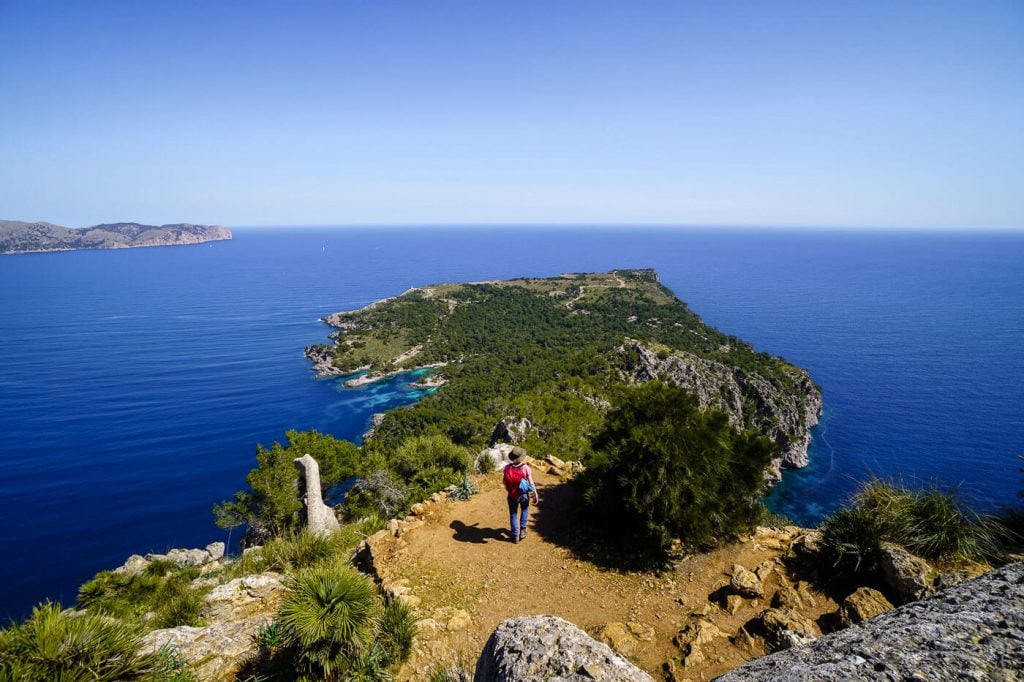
(555, 462)
(973, 631)
(642, 631)
(320, 519)
(243, 598)
(212, 652)
(864, 604)
(619, 638)
(510, 430)
(783, 629)
(134, 565)
(908, 576)
(549, 648)
(745, 583)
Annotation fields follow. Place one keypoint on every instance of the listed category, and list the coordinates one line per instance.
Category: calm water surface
(136, 383)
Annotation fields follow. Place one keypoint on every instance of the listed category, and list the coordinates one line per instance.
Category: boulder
(211, 652)
(215, 550)
(864, 604)
(972, 631)
(243, 598)
(619, 638)
(745, 583)
(498, 454)
(549, 648)
(134, 565)
(909, 577)
(783, 629)
(555, 462)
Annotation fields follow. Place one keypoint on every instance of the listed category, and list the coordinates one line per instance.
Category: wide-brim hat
(517, 454)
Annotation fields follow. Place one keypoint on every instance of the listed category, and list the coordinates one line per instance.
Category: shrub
(851, 542)
(328, 617)
(52, 645)
(662, 469)
(379, 493)
(439, 673)
(297, 550)
(428, 464)
(930, 522)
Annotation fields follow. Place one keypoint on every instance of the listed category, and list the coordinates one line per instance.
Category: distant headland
(17, 236)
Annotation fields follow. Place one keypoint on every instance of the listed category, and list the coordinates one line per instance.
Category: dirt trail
(465, 577)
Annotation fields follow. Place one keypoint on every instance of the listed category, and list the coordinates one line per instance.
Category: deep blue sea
(136, 384)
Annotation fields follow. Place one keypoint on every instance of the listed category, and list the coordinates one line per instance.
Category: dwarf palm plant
(53, 645)
(328, 617)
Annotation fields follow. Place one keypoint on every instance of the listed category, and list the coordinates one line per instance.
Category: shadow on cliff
(558, 519)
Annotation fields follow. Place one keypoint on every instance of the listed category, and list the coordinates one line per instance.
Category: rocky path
(455, 563)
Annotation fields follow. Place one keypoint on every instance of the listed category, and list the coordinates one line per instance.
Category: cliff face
(22, 237)
(751, 399)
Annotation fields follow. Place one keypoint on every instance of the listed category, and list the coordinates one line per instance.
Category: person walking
(520, 488)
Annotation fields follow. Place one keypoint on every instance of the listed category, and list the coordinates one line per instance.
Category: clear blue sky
(901, 114)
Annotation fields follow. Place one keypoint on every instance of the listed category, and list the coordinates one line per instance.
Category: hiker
(519, 485)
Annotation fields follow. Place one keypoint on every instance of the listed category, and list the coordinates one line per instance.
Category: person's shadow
(475, 534)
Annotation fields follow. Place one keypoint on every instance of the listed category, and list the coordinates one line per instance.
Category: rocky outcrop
(973, 631)
(510, 430)
(244, 597)
(136, 563)
(549, 648)
(750, 399)
(211, 652)
(320, 519)
(21, 237)
(234, 613)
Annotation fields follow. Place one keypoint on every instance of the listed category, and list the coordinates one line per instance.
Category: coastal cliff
(501, 348)
(23, 237)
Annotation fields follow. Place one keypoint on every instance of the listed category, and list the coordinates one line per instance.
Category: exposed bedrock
(973, 631)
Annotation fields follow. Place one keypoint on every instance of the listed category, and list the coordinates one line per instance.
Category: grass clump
(53, 645)
(851, 542)
(930, 522)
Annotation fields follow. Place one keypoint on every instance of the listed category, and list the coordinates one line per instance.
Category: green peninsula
(542, 357)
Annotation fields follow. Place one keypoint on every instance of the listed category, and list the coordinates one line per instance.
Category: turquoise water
(137, 383)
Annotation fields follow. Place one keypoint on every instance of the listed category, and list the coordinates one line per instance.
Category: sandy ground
(466, 576)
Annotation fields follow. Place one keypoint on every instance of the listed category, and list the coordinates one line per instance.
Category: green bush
(930, 522)
(851, 542)
(297, 550)
(662, 469)
(52, 645)
(464, 490)
(181, 608)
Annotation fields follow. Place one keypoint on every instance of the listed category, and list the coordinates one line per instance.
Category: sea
(136, 384)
